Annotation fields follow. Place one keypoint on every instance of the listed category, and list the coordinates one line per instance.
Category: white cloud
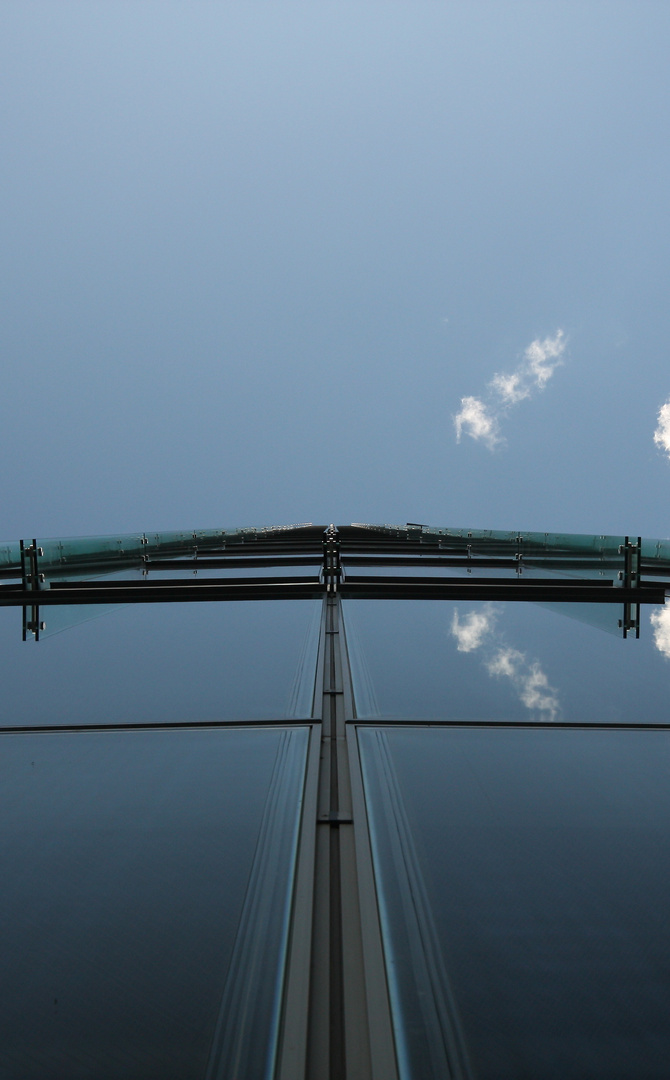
(536, 693)
(481, 420)
(477, 422)
(511, 388)
(662, 433)
(475, 627)
(505, 662)
(530, 682)
(660, 620)
(543, 357)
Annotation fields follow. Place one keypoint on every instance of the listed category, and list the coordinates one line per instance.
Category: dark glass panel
(146, 891)
(523, 877)
(514, 661)
(151, 663)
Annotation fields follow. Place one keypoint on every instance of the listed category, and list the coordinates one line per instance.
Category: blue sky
(256, 255)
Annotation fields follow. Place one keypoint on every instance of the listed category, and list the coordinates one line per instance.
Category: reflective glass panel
(147, 880)
(514, 661)
(523, 876)
(151, 663)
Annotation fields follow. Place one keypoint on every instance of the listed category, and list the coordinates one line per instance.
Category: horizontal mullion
(161, 725)
(535, 725)
(510, 561)
(162, 583)
(468, 582)
(223, 561)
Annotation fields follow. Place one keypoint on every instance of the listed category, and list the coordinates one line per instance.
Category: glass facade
(147, 880)
(369, 801)
(504, 662)
(173, 663)
(523, 875)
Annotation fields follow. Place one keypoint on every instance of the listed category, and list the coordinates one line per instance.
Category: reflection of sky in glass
(535, 919)
(476, 631)
(150, 663)
(660, 623)
(147, 878)
(481, 661)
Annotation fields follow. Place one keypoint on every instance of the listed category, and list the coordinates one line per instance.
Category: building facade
(437, 847)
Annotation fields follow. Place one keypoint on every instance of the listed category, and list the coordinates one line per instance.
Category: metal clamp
(332, 565)
(32, 581)
(631, 580)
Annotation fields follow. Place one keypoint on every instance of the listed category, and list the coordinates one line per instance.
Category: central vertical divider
(346, 1019)
(338, 1039)
(348, 1053)
(333, 703)
(344, 985)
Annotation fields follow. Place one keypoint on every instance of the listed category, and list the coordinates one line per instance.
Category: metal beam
(350, 1033)
(418, 589)
(351, 588)
(157, 592)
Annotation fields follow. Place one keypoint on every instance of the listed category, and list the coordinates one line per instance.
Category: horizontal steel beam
(469, 581)
(416, 589)
(372, 588)
(159, 593)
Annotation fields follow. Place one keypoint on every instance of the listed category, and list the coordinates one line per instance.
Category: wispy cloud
(662, 433)
(510, 388)
(660, 621)
(541, 358)
(480, 419)
(476, 630)
(528, 679)
(475, 420)
(505, 662)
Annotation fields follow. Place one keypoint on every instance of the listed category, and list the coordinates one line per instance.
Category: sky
(258, 258)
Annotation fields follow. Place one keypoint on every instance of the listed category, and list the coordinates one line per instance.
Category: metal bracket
(32, 580)
(332, 565)
(631, 580)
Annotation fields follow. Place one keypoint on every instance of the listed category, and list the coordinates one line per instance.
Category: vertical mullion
(317, 1005)
(336, 986)
(381, 1041)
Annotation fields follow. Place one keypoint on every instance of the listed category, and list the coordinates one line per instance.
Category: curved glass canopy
(603, 574)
